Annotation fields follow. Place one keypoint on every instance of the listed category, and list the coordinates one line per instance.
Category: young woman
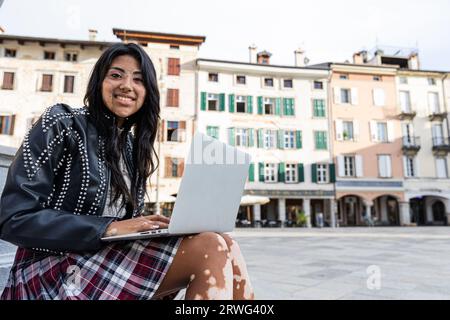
(81, 174)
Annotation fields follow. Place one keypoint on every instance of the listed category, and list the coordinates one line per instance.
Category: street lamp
(162, 90)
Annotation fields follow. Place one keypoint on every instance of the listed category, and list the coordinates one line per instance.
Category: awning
(248, 200)
(161, 198)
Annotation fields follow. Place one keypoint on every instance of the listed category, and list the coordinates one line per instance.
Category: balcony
(441, 145)
(406, 114)
(437, 116)
(411, 145)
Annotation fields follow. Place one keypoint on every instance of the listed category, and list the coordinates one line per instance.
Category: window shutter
(378, 97)
(168, 167)
(260, 138)
(161, 133)
(47, 80)
(355, 130)
(260, 105)
(261, 172)
(390, 131)
(251, 140)
(8, 81)
(278, 106)
(337, 95)
(292, 106)
(249, 104)
(180, 167)
(174, 67)
(281, 172)
(182, 131)
(231, 102)
(373, 131)
(341, 166)
(359, 166)
(231, 137)
(222, 102)
(251, 172)
(332, 170)
(339, 130)
(354, 96)
(285, 107)
(301, 172)
(68, 84)
(203, 101)
(280, 136)
(298, 139)
(314, 172)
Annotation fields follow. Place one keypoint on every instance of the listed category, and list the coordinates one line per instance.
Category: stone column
(405, 215)
(383, 209)
(307, 210)
(428, 210)
(282, 210)
(368, 214)
(257, 213)
(333, 207)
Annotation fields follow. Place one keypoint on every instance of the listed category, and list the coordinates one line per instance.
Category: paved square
(344, 263)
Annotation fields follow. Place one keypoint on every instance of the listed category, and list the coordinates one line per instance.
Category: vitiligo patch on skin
(198, 297)
(207, 272)
(182, 252)
(192, 277)
(212, 281)
(206, 256)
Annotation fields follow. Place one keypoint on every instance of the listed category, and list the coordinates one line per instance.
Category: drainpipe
(445, 105)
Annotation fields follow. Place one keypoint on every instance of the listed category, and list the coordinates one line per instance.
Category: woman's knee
(206, 244)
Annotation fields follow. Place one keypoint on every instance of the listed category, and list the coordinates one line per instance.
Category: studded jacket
(57, 184)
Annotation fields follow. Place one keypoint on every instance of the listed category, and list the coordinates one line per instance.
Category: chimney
(92, 34)
(413, 62)
(360, 57)
(299, 58)
(263, 57)
(252, 53)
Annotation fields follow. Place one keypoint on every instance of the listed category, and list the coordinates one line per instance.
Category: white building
(279, 115)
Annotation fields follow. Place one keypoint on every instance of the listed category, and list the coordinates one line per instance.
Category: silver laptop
(210, 191)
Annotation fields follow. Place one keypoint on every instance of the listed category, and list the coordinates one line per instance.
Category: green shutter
(298, 139)
(209, 131)
(251, 173)
(292, 107)
(261, 172)
(260, 105)
(231, 140)
(249, 104)
(332, 169)
(222, 102)
(301, 172)
(251, 140)
(285, 106)
(280, 139)
(231, 102)
(281, 171)
(278, 106)
(321, 140)
(314, 173)
(260, 138)
(203, 101)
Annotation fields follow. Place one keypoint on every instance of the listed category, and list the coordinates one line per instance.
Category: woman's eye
(138, 79)
(115, 75)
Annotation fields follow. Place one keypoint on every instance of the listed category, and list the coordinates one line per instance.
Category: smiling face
(123, 89)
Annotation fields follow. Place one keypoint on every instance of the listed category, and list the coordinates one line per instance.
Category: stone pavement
(343, 263)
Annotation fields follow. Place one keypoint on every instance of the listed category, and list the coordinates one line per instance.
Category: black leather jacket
(57, 185)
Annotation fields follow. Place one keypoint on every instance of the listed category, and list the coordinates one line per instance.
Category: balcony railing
(441, 144)
(411, 144)
(406, 114)
(437, 115)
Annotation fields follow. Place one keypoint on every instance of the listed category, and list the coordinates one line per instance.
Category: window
(289, 139)
(49, 55)
(431, 81)
(345, 96)
(10, 53)
(441, 168)
(212, 132)
(291, 173)
(71, 56)
(319, 108)
(213, 102)
(343, 77)
(377, 78)
(270, 139)
(405, 101)
(438, 134)
(321, 140)
(240, 80)
(8, 81)
(268, 82)
(382, 132)
(410, 169)
(269, 105)
(287, 83)
(318, 85)
(173, 97)
(347, 130)
(174, 167)
(213, 77)
(379, 97)
(241, 104)
(322, 173)
(433, 102)
(68, 84)
(270, 172)
(7, 124)
(176, 131)
(384, 166)
(349, 166)
(174, 67)
(47, 82)
(174, 47)
(403, 80)
(242, 137)
(288, 107)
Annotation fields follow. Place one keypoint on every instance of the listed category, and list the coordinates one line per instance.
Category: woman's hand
(139, 224)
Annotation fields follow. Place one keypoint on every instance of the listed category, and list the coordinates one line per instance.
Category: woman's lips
(124, 100)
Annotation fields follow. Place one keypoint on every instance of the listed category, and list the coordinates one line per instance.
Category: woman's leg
(202, 264)
(242, 287)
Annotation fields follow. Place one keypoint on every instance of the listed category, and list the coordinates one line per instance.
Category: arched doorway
(439, 214)
(350, 210)
(387, 210)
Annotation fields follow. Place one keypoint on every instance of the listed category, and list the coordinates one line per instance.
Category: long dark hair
(145, 123)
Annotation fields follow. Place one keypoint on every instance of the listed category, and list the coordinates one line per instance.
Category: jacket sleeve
(24, 218)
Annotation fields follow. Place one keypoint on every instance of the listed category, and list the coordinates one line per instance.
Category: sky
(328, 30)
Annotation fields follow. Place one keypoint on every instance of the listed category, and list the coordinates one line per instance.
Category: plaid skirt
(120, 271)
